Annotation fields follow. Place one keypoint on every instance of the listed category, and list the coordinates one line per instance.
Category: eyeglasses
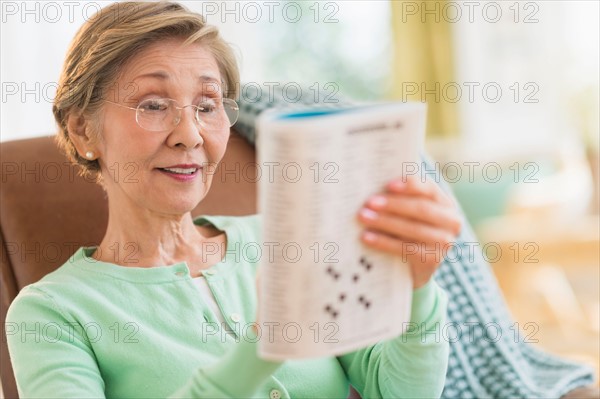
(162, 114)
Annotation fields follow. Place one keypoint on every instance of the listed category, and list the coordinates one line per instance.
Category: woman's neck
(142, 238)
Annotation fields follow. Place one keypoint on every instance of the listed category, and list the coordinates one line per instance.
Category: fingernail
(378, 201)
(397, 184)
(368, 214)
(368, 236)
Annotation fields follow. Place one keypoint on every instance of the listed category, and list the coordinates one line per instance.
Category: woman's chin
(174, 205)
(177, 201)
(180, 208)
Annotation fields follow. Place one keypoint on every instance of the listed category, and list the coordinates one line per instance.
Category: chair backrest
(47, 211)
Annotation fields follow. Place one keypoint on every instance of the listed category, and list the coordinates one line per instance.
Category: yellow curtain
(423, 64)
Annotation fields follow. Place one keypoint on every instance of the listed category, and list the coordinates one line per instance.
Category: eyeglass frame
(235, 107)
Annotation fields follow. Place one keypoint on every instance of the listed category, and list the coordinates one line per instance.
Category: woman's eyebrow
(210, 84)
(207, 78)
(162, 75)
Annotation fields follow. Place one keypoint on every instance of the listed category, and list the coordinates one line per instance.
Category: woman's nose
(187, 131)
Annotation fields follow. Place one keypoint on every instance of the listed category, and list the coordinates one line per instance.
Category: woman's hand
(414, 219)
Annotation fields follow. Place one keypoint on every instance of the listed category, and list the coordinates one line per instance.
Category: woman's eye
(207, 106)
(154, 105)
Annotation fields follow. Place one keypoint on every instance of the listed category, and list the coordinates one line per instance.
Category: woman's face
(133, 160)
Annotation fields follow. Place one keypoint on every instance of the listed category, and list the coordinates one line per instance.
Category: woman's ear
(81, 136)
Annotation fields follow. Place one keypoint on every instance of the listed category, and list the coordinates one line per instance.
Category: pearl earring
(89, 155)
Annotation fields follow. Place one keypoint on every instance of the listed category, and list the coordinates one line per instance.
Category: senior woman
(145, 104)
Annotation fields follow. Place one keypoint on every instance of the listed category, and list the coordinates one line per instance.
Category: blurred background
(513, 95)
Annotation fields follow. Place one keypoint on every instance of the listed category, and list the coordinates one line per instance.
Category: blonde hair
(107, 41)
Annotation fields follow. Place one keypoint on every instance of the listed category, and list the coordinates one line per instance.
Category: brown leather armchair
(47, 211)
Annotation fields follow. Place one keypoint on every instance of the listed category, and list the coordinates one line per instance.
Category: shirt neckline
(166, 273)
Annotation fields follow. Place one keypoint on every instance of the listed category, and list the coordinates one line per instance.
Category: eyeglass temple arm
(121, 105)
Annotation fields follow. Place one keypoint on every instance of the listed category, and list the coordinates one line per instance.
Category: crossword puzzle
(333, 309)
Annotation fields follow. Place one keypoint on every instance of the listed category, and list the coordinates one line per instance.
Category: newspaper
(323, 292)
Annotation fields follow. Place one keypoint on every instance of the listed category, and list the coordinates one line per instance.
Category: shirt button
(235, 317)
(275, 394)
(209, 272)
(180, 274)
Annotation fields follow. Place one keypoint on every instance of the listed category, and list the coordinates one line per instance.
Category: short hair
(107, 41)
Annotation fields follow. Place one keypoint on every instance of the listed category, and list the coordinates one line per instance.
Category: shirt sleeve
(52, 357)
(243, 362)
(412, 365)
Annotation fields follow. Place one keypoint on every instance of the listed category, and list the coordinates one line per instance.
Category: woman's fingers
(414, 186)
(416, 208)
(404, 228)
(414, 219)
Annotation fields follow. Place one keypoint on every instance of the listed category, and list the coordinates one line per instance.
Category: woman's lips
(183, 174)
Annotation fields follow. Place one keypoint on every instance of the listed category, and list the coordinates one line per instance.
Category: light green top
(95, 329)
